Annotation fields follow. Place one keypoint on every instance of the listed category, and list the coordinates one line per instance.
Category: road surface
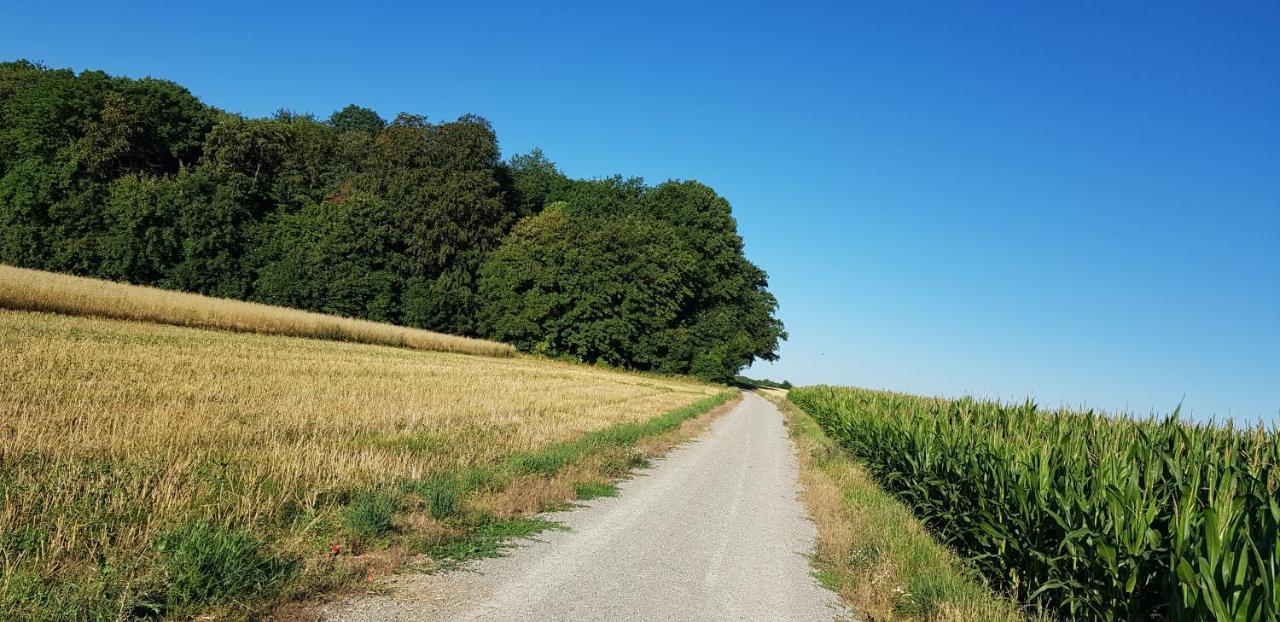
(712, 531)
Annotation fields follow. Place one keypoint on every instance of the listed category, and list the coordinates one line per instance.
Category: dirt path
(713, 531)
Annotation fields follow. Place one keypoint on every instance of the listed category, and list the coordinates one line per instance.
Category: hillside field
(151, 469)
(23, 289)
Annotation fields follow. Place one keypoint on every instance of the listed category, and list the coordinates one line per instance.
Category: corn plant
(1083, 515)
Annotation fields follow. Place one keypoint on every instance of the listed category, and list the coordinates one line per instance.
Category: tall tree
(357, 118)
(535, 180)
(733, 308)
(445, 190)
(597, 289)
(406, 222)
(333, 257)
(722, 318)
(64, 138)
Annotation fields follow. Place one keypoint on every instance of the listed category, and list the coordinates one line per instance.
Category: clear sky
(1080, 204)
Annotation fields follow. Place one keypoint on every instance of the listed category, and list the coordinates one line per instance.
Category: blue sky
(1080, 204)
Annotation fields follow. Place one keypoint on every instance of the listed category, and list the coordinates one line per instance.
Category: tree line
(403, 221)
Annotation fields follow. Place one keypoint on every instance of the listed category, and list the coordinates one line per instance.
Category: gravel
(713, 531)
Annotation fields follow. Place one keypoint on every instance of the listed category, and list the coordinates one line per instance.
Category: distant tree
(716, 318)
(764, 383)
(445, 192)
(535, 181)
(143, 243)
(253, 172)
(733, 307)
(64, 138)
(407, 221)
(597, 289)
(611, 196)
(310, 167)
(727, 320)
(332, 257)
(354, 117)
(144, 126)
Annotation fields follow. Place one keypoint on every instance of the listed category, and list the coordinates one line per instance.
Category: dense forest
(407, 221)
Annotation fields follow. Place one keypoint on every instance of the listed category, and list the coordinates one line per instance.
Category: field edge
(871, 550)
(26, 289)
(598, 461)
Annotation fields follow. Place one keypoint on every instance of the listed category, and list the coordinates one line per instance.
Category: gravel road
(712, 531)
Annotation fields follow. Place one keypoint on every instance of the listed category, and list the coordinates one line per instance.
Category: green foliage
(91, 594)
(535, 180)
(356, 118)
(760, 384)
(368, 515)
(63, 138)
(332, 257)
(600, 290)
(137, 180)
(616, 272)
(548, 461)
(208, 564)
(442, 496)
(1089, 516)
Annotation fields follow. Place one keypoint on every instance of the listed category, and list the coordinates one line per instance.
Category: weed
(620, 461)
(368, 515)
(547, 462)
(593, 490)
(488, 539)
(208, 564)
(442, 492)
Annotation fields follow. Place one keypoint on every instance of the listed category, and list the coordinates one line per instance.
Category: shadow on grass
(489, 539)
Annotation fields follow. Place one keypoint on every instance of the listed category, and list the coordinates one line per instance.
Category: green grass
(594, 490)
(551, 459)
(488, 538)
(206, 564)
(369, 514)
(442, 493)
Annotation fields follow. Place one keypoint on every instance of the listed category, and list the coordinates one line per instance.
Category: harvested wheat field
(153, 470)
(37, 290)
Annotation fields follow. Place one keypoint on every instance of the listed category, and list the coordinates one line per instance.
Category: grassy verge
(486, 512)
(871, 550)
(158, 471)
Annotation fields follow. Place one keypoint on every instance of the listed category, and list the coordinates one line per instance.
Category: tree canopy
(406, 221)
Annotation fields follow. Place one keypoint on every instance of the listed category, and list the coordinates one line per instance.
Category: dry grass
(526, 496)
(872, 551)
(533, 494)
(113, 434)
(36, 290)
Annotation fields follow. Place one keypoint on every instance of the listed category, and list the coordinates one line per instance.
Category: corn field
(1082, 515)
